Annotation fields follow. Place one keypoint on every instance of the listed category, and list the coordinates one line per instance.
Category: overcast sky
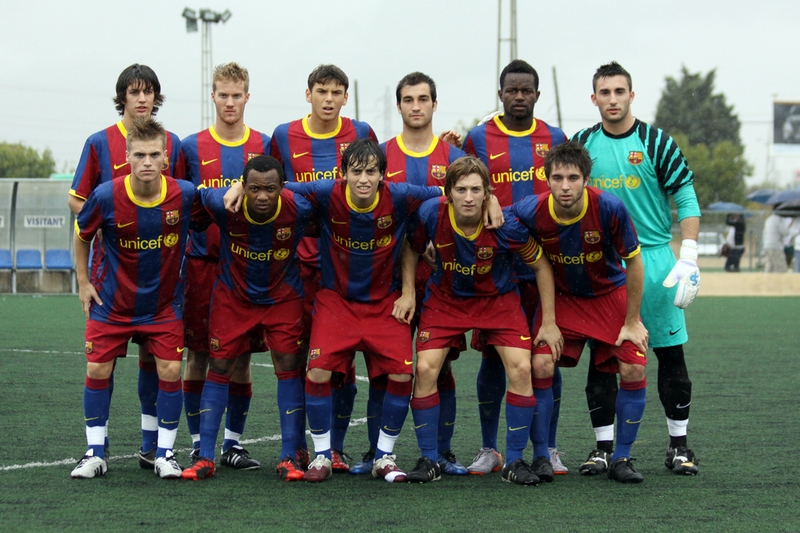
(60, 60)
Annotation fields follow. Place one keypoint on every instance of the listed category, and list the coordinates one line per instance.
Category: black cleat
(519, 472)
(543, 469)
(426, 470)
(622, 470)
(681, 461)
(596, 463)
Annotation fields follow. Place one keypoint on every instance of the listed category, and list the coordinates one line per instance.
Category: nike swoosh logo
(204, 162)
(387, 428)
(676, 331)
(420, 426)
(516, 429)
(165, 422)
(640, 354)
(485, 403)
(192, 414)
(201, 411)
(438, 245)
(390, 174)
(117, 167)
(120, 225)
(237, 234)
(492, 157)
(595, 409)
(407, 362)
(179, 350)
(295, 155)
(90, 419)
(343, 416)
(524, 338)
(683, 406)
(449, 423)
(337, 222)
(550, 239)
(288, 412)
(629, 421)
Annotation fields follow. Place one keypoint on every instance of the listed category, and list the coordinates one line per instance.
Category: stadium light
(207, 17)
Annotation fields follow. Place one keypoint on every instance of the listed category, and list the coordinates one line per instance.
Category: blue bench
(29, 260)
(58, 259)
(5, 260)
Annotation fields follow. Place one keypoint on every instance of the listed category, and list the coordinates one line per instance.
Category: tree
(19, 161)
(707, 130)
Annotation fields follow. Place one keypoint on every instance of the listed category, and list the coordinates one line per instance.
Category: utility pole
(511, 39)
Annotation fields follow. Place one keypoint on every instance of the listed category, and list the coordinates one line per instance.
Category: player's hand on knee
(550, 335)
(685, 274)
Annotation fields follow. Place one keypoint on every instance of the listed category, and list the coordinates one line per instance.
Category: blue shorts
(664, 322)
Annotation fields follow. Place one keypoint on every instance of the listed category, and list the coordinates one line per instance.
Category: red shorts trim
(105, 342)
(600, 319)
(238, 326)
(201, 274)
(500, 318)
(342, 327)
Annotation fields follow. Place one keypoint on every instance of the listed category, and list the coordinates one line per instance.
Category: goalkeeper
(643, 166)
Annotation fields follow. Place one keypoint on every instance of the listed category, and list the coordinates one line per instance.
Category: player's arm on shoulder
(493, 217)
(234, 197)
(633, 330)
(403, 309)
(451, 137)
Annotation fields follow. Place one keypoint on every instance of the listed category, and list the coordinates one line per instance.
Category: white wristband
(689, 249)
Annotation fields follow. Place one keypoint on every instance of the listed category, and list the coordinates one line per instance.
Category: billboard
(786, 123)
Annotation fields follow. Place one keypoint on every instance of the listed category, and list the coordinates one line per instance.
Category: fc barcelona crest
(384, 221)
(592, 237)
(314, 353)
(214, 344)
(283, 233)
(172, 217)
(343, 147)
(635, 158)
(424, 336)
(438, 172)
(541, 149)
(251, 155)
(485, 252)
(88, 347)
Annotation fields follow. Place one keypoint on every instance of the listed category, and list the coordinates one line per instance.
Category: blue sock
(491, 387)
(342, 400)
(541, 421)
(551, 442)
(630, 409)
(239, 395)
(192, 392)
(292, 411)
(519, 415)
(426, 423)
(318, 411)
(148, 394)
(447, 419)
(212, 407)
(377, 390)
(110, 395)
(96, 402)
(395, 410)
(170, 403)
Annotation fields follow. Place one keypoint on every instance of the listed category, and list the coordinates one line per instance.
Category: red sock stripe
(147, 367)
(194, 386)
(633, 385)
(426, 402)
(170, 386)
(318, 389)
(518, 400)
(543, 383)
(97, 384)
(400, 388)
(292, 374)
(446, 381)
(245, 390)
(219, 379)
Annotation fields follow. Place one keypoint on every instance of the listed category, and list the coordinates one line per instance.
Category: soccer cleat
(146, 460)
(195, 455)
(519, 472)
(88, 467)
(302, 457)
(488, 460)
(238, 458)
(168, 467)
(318, 470)
(200, 469)
(365, 465)
(622, 470)
(339, 461)
(555, 460)
(596, 463)
(385, 468)
(681, 461)
(289, 470)
(543, 469)
(426, 470)
(450, 465)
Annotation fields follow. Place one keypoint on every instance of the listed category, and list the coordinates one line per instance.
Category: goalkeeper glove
(685, 274)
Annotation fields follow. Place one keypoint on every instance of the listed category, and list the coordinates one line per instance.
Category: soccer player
(137, 289)
(418, 157)
(311, 149)
(474, 286)
(138, 95)
(513, 146)
(644, 167)
(214, 158)
(587, 234)
(258, 294)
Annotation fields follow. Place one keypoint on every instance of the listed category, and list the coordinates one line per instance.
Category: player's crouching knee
(631, 373)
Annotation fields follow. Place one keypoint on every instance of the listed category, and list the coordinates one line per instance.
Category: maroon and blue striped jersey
(515, 158)
(478, 265)
(212, 162)
(139, 277)
(359, 248)
(418, 168)
(587, 251)
(103, 159)
(307, 156)
(258, 260)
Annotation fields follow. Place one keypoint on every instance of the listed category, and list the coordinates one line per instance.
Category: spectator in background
(775, 231)
(735, 241)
